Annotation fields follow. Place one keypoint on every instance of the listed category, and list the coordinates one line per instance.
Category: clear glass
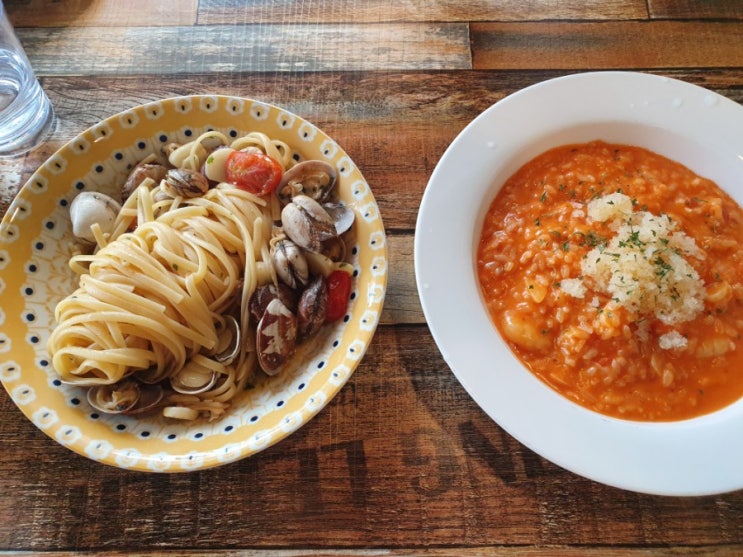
(26, 115)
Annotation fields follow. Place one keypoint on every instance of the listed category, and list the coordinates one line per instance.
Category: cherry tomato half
(339, 289)
(254, 172)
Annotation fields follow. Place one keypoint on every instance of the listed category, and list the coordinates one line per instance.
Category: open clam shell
(194, 378)
(125, 397)
(228, 354)
(313, 178)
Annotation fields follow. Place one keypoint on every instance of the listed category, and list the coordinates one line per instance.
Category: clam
(260, 299)
(342, 215)
(181, 182)
(193, 379)
(89, 208)
(125, 397)
(264, 294)
(314, 179)
(312, 307)
(139, 174)
(289, 262)
(232, 347)
(150, 397)
(198, 375)
(276, 337)
(334, 249)
(306, 223)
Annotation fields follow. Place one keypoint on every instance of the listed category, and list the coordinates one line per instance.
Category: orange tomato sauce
(588, 343)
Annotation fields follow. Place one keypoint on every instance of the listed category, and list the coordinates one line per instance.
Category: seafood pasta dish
(616, 276)
(218, 259)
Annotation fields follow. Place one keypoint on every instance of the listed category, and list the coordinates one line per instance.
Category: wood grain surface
(606, 45)
(401, 461)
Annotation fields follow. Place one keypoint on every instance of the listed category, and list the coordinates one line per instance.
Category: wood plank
(258, 48)
(607, 45)
(402, 304)
(401, 458)
(694, 9)
(455, 551)
(376, 11)
(101, 13)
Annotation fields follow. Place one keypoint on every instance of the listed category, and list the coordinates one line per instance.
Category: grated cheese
(672, 340)
(644, 266)
(574, 287)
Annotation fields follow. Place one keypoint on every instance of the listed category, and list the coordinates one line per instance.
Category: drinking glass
(26, 115)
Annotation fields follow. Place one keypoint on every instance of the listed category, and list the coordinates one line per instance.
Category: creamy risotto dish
(614, 274)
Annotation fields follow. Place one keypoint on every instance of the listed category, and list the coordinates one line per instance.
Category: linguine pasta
(153, 295)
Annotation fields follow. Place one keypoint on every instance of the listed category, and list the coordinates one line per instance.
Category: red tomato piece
(254, 172)
(339, 289)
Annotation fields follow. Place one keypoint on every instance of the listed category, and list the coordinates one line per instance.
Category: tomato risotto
(615, 275)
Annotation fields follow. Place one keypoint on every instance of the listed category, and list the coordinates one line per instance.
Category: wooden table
(402, 461)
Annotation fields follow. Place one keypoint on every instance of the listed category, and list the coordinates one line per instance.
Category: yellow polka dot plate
(35, 245)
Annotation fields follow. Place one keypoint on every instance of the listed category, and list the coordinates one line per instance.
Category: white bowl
(684, 122)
